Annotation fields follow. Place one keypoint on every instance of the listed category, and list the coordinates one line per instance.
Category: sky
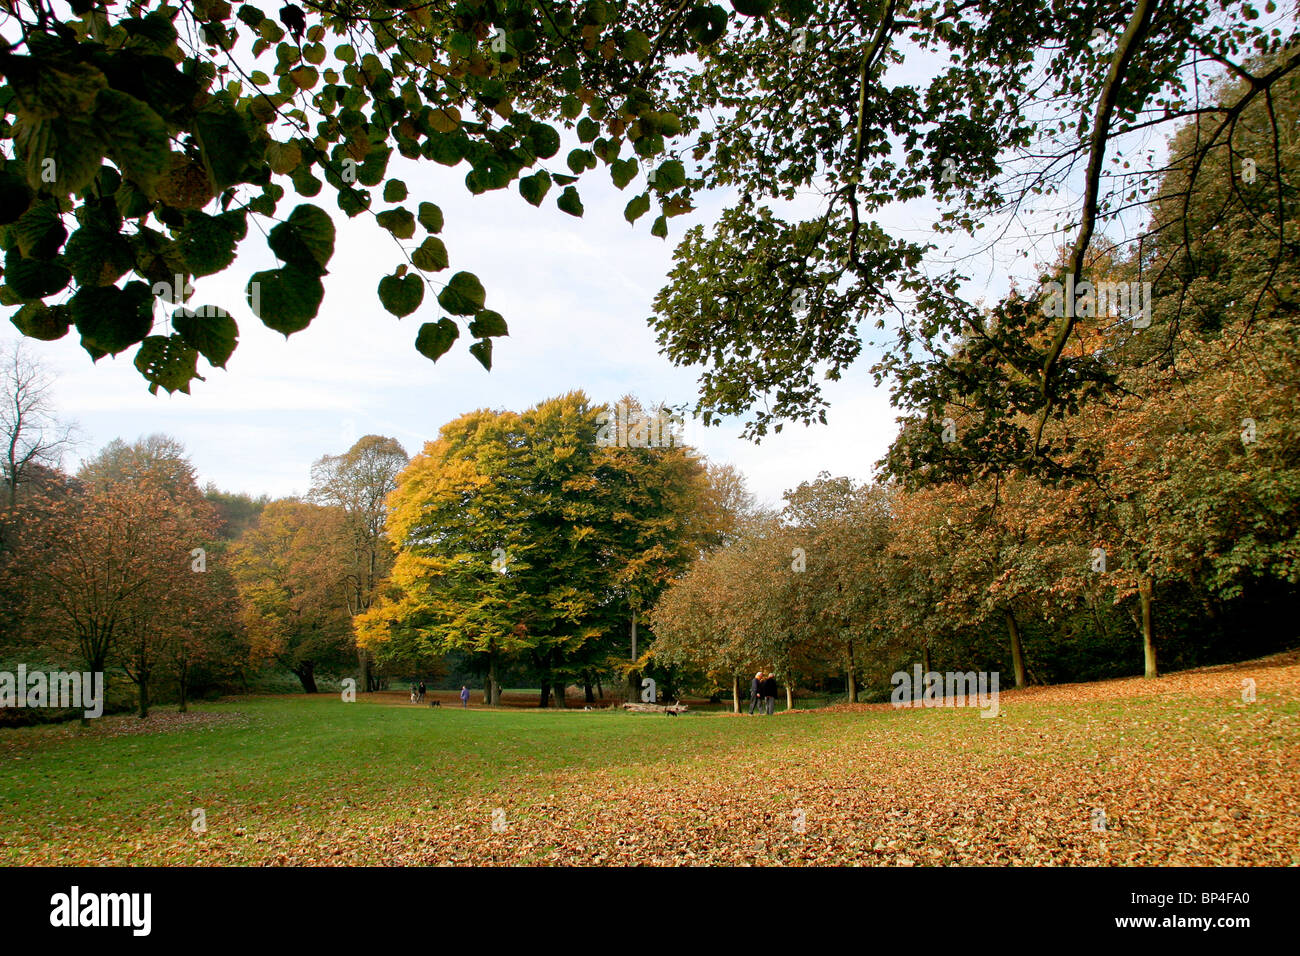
(575, 292)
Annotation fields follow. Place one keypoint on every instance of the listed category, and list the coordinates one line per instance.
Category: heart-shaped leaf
(401, 295)
(435, 338)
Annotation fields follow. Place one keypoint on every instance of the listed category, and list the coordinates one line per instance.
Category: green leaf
(110, 319)
(580, 159)
(483, 352)
(353, 202)
(649, 145)
(607, 149)
(287, 299)
(623, 171)
(98, 254)
(399, 222)
(401, 295)
(224, 144)
(304, 77)
(134, 136)
(210, 330)
(706, 24)
(435, 338)
(489, 173)
(461, 44)
(64, 153)
(535, 187)
(487, 324)
(372, 168)
(40, 231)
(283, 158)
(670, 175)
(588, 129)
(430, 217)
(597, 12)
(634, 45)
(304, 183)
(35, 278)
(305, 240)
(570, 202)
(638, 207)
(207, 243)
(463, 295)
(752, 8)
(167, 361)
(45, 86)
(431, 256)
(250, 15)
(37, 320)
(660, 227)
(449, 149)
(394, 191)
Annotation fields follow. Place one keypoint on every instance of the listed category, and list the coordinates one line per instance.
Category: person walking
(769, 693)
(755, 692)
(421, 690)
(464, 696)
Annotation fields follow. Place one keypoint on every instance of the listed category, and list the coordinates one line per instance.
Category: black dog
(435, 703)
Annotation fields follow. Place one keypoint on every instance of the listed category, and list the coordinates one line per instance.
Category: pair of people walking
(762, 693)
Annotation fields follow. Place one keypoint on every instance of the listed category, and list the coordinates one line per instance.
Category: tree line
(519, 541)
(1147, 517)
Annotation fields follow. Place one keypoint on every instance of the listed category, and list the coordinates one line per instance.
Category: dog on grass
(435, 703)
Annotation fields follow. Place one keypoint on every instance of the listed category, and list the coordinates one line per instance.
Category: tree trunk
(363, 669)
(600, 691)
(144, 696)
(735, 694)
(559, 695)
(633, 685)
(633, 633)
(1096, 616)
(1017, 653)
(925, 660)
(182, 686)
(306, 674)
(789, 696)
(1145, 587)
(851, 678)
(492, 695)
(545, 700)
(588, 696)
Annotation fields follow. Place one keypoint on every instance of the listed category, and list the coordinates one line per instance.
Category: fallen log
(637, 707)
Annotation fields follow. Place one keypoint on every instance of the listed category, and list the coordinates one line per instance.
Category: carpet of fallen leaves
(121, 725)
(1182, 770)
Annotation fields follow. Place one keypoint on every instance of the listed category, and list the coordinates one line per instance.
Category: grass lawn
(1184, 770)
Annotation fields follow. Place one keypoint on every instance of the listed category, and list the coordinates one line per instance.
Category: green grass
(312, 758)
(301, 768)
